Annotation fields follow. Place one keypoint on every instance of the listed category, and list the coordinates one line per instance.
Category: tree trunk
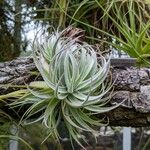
(131, 87)
(17, 28)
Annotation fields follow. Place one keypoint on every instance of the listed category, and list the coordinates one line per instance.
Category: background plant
(125, 22)
(132, 30)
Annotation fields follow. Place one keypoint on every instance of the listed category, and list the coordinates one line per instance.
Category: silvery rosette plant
(72, 90)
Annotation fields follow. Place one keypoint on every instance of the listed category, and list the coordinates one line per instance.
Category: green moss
(4, 130)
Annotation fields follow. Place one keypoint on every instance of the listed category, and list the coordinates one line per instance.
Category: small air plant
(72, 90)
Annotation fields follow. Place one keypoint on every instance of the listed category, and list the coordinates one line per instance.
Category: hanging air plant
(72, 90)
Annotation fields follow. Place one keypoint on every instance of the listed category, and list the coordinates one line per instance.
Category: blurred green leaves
(125, 21)
(132, 31)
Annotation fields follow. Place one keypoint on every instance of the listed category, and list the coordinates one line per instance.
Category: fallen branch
(131, 86)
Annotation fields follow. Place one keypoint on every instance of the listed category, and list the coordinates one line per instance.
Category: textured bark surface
(132, 86)
(16, 71)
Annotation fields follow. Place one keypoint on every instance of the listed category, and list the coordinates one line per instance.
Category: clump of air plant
(72, 89)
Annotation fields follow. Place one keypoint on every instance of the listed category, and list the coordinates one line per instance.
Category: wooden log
(132, 85)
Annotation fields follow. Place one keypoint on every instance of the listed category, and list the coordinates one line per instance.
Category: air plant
(124, 21)
(133, 31)
(73, 87)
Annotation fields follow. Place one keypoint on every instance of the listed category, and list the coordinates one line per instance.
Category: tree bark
(17, 28)
(131, 87)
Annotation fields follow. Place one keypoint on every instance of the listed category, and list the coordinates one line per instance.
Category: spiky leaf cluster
(72, 90)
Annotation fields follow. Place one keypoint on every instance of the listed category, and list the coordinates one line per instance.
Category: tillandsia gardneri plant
(72, 90)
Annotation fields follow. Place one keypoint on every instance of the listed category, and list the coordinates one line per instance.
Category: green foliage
(131, 31)
(52, 14)
(34, 134)
(10, 42)
(4, 130)
(125, 22)
(6, 123)
(16, 138)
